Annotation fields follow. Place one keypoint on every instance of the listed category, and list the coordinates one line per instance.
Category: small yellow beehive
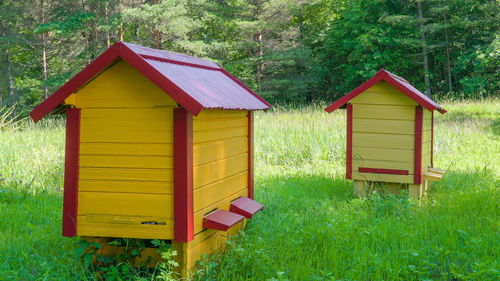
(390, 136)
(158, 146)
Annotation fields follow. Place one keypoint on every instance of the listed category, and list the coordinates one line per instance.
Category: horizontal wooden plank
(127, 114)
(111, 89)
(126, 149)
(386, 112)
(211, 151)
(140, 231)
(392, 165)
(126, 161)
(126, 186)
(382, 177)
(221, 123)
(400, 127)
(124, 174)
(383, 93)
(127, 137)
(223, 205)
(383, 140)
(213, 135)
(360, 153)
(214, 192)
(220, 113)
(214, 171)
(115, 125)
(126, 204)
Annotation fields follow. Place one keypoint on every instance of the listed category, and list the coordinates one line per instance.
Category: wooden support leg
(183, 258)
(393, 188)
(360, 188)
(416, 190)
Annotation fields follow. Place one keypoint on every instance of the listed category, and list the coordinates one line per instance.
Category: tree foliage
(287, 50)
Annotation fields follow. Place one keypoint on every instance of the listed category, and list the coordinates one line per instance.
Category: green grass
(312, 227)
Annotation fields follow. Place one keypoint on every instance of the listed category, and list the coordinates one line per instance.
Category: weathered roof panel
(211, 88)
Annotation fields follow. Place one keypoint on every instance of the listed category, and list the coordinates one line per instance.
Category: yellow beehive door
(383, 134)
(126, 156)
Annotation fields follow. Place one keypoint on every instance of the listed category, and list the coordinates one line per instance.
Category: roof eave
(117, 51)
(383, 75)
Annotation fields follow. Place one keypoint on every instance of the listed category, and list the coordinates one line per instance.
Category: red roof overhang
(130, 54)
(398, 83)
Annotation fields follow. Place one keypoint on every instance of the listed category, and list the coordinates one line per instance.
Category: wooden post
(72, 154)
(183, 176)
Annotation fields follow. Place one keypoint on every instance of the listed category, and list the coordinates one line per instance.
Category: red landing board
(246, 207)
(221, 220)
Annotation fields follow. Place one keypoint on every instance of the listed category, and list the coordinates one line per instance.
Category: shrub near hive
(158, 146)
(390, 136)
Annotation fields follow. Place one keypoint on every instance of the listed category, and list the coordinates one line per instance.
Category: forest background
(289, 51)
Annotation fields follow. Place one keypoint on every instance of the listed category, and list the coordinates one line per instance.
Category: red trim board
(417, 157)
(72, 153)
(432, 139)
(383, 171)
(250, 155)
(183, 176)
(348, 156)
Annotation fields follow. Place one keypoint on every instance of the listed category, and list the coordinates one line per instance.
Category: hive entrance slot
(153, 223)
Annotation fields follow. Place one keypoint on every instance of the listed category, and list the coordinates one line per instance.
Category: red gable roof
(192, 82)
(398, 83)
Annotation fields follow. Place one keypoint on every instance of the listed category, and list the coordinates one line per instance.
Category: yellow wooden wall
(126, 156)
(383, 133)
(427, 139)
(220, 160)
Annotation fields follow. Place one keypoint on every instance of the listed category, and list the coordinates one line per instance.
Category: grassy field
(312, 227)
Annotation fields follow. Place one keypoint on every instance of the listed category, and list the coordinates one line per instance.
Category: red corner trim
(183, 176)
(348, 157)
(72, 152)
(246, 207)
(432, 139)
(250, 155)
(417, 161)
(89, 72)
(245, 87)
(383, 171)
(221, 220)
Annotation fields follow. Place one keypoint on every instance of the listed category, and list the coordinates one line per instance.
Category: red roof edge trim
(343, 100)
(89, 72)
(179, 62)
(396, 84)
(246, 88)
(395, 81)
(141, 65)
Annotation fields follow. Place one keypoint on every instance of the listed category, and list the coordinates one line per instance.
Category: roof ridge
(169, 55)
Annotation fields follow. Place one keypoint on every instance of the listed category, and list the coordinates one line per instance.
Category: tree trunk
(106, 14)
(45, 64)
(424, 49)
(448, 58)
